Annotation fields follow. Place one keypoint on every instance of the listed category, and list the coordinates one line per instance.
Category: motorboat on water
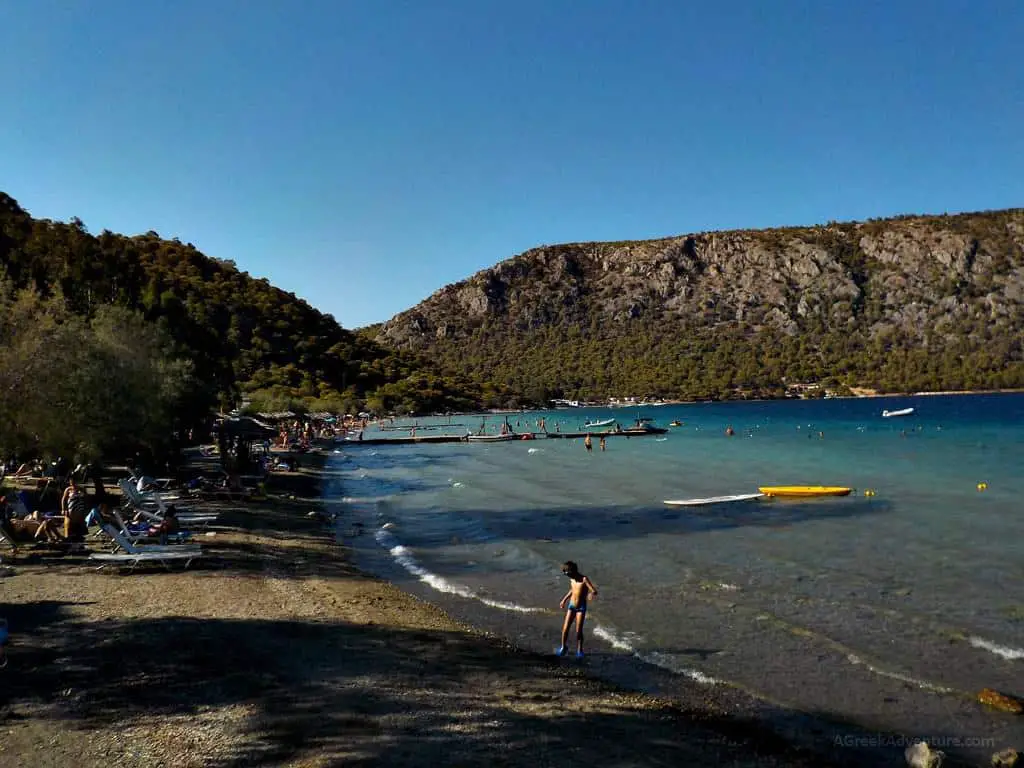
(901, 412)
(602, 423)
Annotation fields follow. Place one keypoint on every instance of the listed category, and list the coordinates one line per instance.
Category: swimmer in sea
(581, 589)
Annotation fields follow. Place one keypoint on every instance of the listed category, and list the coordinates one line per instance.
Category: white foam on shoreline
(621, 642)
(507, 606)
(1004, 651)
(404, 558)
(922, 684)
(625, 643)
(615, 641)
(667, 662)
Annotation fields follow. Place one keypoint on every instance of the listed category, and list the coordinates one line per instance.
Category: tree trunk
(96, 470)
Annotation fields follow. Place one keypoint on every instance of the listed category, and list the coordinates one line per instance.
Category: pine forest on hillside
(110, 343)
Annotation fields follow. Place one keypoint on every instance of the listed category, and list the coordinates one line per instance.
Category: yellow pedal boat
(804, 490)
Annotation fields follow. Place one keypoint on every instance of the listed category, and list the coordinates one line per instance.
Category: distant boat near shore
(602, 423)
(901, 412)
(713, 500)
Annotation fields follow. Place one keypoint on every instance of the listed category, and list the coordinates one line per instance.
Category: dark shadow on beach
(360, 695)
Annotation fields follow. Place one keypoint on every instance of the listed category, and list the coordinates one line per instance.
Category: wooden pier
(634, 432)
(404, 440)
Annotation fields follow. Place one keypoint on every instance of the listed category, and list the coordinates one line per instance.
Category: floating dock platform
(611, 433)
(404, 440)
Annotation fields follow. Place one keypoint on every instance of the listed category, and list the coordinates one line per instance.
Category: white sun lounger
(189, 519)
(132, 555)
(128, 546)
(155, 509)
(150, 499)
(133, 559)
(144, 536)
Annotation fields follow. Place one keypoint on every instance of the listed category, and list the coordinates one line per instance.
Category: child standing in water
(575, 606)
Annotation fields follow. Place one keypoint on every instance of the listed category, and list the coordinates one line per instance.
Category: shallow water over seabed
(891, 608)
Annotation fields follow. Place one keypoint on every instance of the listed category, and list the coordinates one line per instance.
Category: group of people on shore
(23, 521)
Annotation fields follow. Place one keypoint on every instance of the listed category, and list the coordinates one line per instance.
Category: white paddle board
(712, 500)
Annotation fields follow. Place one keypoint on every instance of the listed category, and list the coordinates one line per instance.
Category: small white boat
(604, 423)
(713, 500)
(493, 438)
(901, 412)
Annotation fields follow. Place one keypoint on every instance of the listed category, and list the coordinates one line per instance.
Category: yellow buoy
(869, 492)
(982, 486)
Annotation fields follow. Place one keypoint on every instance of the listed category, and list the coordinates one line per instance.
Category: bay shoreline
(860, 393)
(278, 651)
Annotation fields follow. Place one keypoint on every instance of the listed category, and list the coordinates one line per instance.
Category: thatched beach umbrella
(245, 428)
(242, 431)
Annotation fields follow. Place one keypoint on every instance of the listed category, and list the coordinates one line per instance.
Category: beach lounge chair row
(203, 490)
(154, 506)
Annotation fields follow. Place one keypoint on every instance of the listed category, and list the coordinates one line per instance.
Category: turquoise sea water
(890, 610)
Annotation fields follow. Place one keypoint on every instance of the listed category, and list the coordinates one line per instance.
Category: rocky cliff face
(927, 280)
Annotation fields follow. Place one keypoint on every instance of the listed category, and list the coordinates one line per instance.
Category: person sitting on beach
(72, 507)
(18, 529)
(46, 528)
(21, 532)
(99, 515)
(581, 589)
(169, 525)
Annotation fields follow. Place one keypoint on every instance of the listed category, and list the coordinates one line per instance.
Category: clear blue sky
(364, 154)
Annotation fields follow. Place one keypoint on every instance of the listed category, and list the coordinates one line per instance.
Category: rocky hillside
(911, 303)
